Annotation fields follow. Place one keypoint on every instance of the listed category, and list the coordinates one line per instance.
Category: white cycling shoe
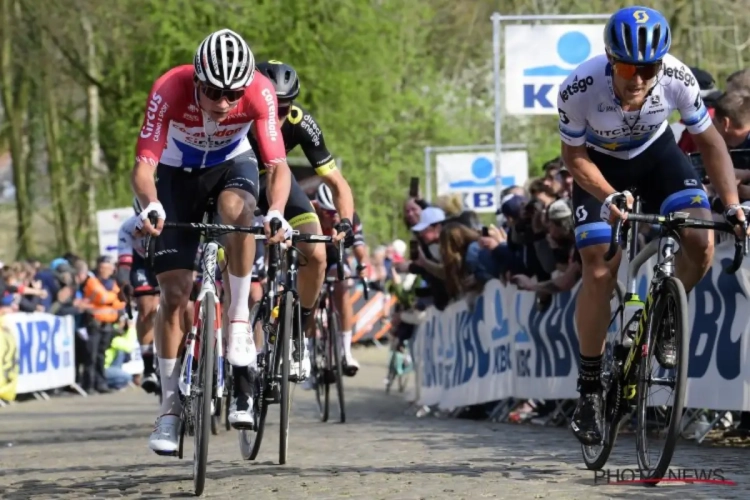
(241, 412)
(164, 439)
(301, 370)
(241, 346)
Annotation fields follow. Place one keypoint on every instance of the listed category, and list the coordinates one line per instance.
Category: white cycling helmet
(324, 197)
(224, 61)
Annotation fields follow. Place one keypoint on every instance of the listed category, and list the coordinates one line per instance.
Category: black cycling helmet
(283, 77)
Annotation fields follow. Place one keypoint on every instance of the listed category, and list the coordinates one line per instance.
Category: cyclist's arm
(713, 150)
(359, 248)
(314, 146)
(271, 145)
(152, 138)
(572, 127)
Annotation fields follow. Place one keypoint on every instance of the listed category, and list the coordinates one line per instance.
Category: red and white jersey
(177, 133)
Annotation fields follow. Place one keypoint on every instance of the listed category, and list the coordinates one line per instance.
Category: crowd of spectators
(68, 288)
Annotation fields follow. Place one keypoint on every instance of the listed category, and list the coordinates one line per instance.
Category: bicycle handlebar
(259, 233)
(677, 220)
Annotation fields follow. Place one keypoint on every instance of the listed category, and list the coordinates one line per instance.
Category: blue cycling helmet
(637, 35)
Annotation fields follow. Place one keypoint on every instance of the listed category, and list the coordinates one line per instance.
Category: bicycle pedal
(166, 453)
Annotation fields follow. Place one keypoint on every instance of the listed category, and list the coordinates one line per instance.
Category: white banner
(108, 224)
(539, 57)
(473, 174)
(46, 350)
(506, 348)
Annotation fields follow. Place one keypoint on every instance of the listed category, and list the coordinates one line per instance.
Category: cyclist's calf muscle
(312, 274)
(175, 286)
(592, 314)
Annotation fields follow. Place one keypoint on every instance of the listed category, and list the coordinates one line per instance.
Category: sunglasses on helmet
(214, 94)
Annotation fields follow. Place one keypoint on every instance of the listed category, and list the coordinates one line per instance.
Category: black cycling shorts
(141, 279)
(662, 176)
(298, 210)
(184, 193)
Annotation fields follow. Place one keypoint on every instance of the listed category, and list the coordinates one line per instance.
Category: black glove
(345, 226)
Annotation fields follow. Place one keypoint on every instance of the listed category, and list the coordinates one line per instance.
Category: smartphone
(414, 187)
(485, 231)
(413, 250)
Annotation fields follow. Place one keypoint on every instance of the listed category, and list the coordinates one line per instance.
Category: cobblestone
(97, 448)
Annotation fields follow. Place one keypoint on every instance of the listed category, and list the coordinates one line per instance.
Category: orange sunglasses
(628, 71)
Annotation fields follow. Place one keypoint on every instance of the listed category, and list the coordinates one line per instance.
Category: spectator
(453, 206)
(739, 80)
(709, 94)
(100, 321)
(455, 239)
(412, 210)
(732, 120)
(119, 351)
(428, 262)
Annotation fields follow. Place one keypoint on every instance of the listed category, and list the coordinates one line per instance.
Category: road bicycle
(202, 372)
(327, 367)
(280, 315)
(630, 365)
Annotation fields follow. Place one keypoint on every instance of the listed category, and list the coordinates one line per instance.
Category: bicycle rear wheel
(596, 456)
(319, 370)
(284, 349)
(670, 313)
(334, 341)
(204, 393)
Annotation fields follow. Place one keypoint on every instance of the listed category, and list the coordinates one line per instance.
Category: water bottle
(631, 317)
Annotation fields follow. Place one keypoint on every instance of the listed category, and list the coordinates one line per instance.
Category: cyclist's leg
(599, 278)
(256, 291)
(236, 204)
(346, 315)
(301, 216)
(146, 293)
(675, 186)
(256, 295)
(183, 193)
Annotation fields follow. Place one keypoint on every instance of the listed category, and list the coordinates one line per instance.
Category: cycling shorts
(298, 210)
(142, 280)
(661, 175)
(185, 194)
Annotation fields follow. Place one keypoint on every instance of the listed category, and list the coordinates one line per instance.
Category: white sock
(308, 344)
(239, 287)
(170, 389)
(346, 338)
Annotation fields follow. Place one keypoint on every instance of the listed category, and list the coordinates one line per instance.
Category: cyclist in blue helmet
(615, 136)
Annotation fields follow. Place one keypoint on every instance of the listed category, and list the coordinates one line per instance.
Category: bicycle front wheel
(284, 341)
(319, 370)
(334, 341)
(669, 317)
(204, 393)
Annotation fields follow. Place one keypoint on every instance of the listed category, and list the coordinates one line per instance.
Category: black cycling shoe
(586, 418)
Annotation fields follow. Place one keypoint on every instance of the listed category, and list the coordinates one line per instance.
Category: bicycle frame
(192, 342)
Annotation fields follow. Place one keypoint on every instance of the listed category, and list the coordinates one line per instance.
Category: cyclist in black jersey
(297, 129)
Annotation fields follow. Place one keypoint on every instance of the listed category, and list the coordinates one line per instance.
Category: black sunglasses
(215, 94)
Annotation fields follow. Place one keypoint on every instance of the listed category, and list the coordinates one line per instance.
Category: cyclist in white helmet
(194, 143)
(329, 217)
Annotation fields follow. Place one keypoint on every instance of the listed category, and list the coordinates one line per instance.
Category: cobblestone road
(96, 448)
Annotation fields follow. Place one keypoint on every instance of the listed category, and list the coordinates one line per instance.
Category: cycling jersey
(590, 113)
(301, 129)
(127, 242)
(177, 133)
